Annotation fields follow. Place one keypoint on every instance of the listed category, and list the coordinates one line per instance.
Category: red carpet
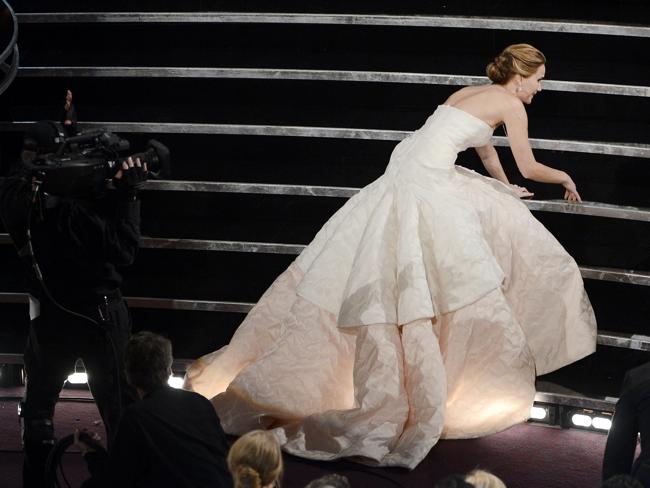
(525, 456)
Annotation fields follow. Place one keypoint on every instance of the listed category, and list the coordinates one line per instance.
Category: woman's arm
(490, 159)
(516, 121)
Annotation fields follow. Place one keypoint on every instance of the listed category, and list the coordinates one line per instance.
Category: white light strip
(602, 404)
(638, 342)
(316, 75)
(445, 21)
(631, 277)
(590, 147)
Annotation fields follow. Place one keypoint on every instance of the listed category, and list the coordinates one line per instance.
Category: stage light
(602, 423)
(78, 378)
(581, 420)
(538, 413)
(175, 381)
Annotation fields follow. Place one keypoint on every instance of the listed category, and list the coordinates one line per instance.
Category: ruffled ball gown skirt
(423, 309)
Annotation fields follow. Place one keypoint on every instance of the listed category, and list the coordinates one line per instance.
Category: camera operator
(79, 242)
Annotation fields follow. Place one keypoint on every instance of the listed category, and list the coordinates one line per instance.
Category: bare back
(495, 106)
(487, 102)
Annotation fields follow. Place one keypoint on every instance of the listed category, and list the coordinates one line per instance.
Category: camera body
(84, 164)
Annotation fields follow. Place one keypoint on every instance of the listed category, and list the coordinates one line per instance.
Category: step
(444, 21)
(312, 75)
(609, 148)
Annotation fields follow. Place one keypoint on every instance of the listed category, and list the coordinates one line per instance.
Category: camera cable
(54, 464)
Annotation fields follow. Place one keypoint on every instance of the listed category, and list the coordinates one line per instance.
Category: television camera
(84, 163)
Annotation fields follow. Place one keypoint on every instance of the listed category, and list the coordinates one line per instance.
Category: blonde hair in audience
(483, 479)
(255, 460)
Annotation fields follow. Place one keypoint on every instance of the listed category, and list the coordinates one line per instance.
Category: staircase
(275, 118)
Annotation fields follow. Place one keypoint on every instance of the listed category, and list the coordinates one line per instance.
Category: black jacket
(79, 243)
(632, 417)
(171, 438)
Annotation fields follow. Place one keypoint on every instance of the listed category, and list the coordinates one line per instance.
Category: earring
(518, 88)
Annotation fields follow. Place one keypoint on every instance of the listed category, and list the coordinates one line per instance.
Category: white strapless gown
(422, 309)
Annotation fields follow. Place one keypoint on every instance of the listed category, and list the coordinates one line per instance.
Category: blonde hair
(483, 479)
(255, 460)
(517, 59)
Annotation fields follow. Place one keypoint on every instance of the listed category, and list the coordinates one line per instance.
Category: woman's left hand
(521, 192)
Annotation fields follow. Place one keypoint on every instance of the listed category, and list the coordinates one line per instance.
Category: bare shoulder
(488, 102)
(514, 111)
(501, 100)
(463, 93)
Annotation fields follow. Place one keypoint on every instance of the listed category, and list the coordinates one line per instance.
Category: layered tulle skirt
(419, 311)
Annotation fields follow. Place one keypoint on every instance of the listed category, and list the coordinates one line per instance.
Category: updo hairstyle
(255, 460)
(517, 59)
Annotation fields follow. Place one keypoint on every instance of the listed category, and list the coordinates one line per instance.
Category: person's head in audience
(622, 481)
(148, 361)
(330, 481)
(474, 479)
(482, 479)
(255, 460)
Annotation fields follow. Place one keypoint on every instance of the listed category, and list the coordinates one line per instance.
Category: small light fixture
(538, 413)
(581, 420)
(602, 423)
(175, 381)
(78, 377)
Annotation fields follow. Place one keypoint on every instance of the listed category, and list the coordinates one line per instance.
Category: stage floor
(525, 456)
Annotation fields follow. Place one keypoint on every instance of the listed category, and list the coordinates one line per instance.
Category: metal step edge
(316, 75)
(636, 342)
(445, 21)
(631, 277)
(589, 147)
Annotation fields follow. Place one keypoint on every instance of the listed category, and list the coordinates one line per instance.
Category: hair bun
(248, 477)
(498, 71)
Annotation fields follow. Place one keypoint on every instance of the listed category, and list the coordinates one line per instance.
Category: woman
(255, 461)
(423, 308)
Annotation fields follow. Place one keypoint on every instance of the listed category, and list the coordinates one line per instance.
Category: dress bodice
(435, 145)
